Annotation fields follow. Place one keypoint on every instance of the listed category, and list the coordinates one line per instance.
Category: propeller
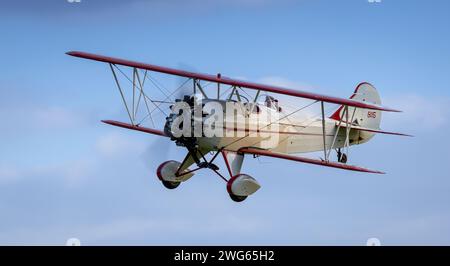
(163, 149)
(158, 151)
(185, 86)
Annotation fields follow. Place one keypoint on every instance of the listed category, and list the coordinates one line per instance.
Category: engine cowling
(177, 117)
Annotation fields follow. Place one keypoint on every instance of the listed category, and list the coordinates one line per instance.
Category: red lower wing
(308, 160)
(134, 127)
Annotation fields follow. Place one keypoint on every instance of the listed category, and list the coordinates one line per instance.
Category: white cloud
(26, 117)
(217, 224)
(8, 174)
(72, 173)
(53, 117)
(75, 171)
(151, 230)
(118, 144)
(427, 229)
(420, 112)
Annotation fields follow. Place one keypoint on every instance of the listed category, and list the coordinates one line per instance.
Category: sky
(64, 174)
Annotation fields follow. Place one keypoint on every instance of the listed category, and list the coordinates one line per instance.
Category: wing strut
(323, 131)
(121, 93)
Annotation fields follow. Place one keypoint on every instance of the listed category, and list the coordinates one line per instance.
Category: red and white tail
(366, 118)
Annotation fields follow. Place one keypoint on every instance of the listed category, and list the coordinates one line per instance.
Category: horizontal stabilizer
(307, 160)
(381, 131)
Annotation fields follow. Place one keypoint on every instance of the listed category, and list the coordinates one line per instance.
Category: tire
(237, 198)
(343, 158)
(170, 185)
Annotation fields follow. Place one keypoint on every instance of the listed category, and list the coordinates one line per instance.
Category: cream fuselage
(279, 133)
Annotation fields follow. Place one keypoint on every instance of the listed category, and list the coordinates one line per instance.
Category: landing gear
(167, 173)
(208, 165)
(241, 186)
(342, 157)
(171, 185)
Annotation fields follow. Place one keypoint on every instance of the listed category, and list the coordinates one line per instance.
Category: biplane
(356, 120)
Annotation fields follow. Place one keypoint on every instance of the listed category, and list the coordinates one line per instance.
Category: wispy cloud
(420, 112)
(8, 174)
(72, 173)
(111, 146)
(115, 144)
(31, 117)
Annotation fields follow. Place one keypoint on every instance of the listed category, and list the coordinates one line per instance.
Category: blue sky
(64, 174)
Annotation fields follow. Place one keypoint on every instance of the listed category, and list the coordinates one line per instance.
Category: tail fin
(366, 118)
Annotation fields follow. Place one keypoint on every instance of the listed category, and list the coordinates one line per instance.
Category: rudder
(364, 92)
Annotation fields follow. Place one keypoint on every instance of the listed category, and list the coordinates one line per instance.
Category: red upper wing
(228, 81)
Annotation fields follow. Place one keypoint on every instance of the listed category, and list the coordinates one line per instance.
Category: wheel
(343, 158)
(166, 173)
(241, 186)
(237, 198)
(170, 185)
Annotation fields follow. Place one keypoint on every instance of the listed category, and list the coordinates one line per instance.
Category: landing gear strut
(239, 186)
